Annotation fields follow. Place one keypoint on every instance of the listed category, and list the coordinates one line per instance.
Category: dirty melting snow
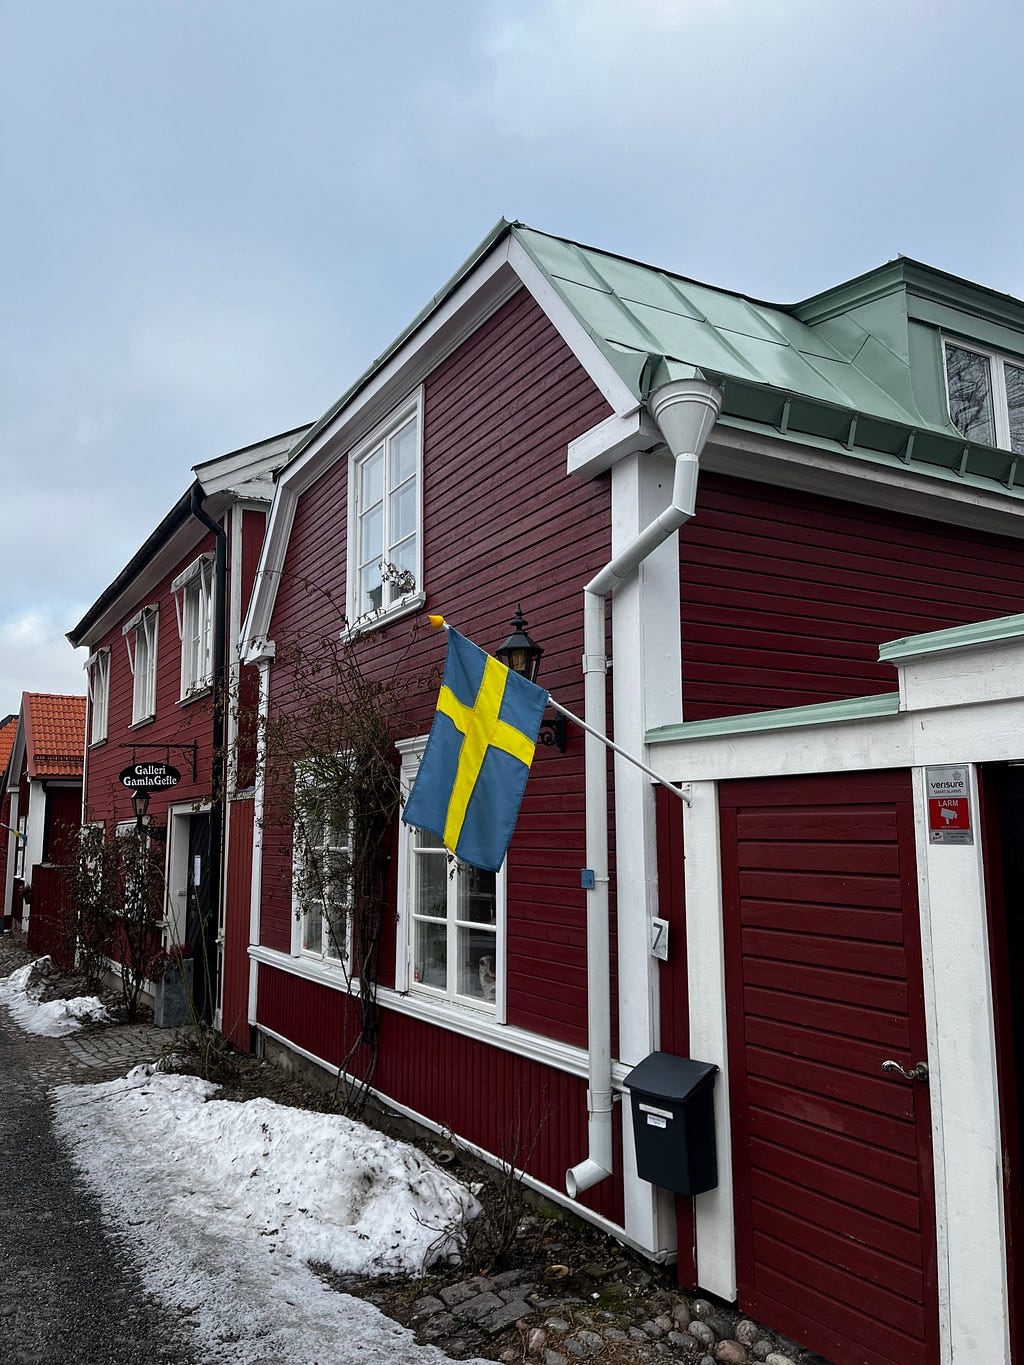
(225, 1205)
(52, 1019)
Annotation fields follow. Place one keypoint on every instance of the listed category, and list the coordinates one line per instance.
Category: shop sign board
(949, 805)
(149, 776)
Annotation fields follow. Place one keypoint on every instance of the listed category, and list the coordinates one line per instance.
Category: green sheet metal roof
(857, 369)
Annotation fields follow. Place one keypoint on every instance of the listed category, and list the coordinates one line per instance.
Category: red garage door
(832, 1156)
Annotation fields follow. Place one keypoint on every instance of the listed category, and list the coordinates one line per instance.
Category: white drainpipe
(685, 411)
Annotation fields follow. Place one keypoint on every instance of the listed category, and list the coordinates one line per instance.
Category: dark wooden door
(832, 1156)
(200, 921)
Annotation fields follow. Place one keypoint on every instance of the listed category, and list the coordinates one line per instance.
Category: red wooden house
(159, 637)
(43, 800)
(737, 504)
(8, 729)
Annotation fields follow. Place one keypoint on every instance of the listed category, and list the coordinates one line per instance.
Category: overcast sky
(215, 213)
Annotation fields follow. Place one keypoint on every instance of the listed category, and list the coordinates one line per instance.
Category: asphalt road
(69, 1294)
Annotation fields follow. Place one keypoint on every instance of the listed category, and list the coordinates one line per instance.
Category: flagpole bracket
(552, 733)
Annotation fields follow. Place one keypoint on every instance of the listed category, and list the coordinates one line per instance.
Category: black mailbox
(674, 1122)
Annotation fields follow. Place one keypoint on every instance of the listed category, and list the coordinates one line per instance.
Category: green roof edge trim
(999, 631)
(789, 718)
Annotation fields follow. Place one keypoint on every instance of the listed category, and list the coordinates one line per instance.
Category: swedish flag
(474, 768)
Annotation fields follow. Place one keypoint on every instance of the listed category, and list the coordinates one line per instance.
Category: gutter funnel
(685, 411)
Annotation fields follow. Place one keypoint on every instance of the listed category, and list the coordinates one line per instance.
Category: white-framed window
(986, 395)
(193, 604)
(140, 635)
(385, 560)
(97, 674)
(321, 874)
(451, 918)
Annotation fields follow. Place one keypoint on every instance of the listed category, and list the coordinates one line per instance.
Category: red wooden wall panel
(506, 1104)
(235, 997)
(502, 525)
(787, 595)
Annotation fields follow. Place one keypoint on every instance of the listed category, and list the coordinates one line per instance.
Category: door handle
(918, 1072)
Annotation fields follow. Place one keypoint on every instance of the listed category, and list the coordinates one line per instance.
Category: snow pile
(226, 1204)
(54, 1018)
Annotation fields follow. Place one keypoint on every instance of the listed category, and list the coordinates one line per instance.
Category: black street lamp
(140, 807)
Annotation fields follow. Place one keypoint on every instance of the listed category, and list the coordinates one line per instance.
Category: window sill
(197, 694)
(139, 724)
(366, 624)
(97, 743)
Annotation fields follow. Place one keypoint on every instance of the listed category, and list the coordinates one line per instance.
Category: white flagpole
(623, 753)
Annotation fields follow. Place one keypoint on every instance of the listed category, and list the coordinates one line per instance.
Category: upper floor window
(140, 634)
(97, 673)
(385, 536)
(986, 396)
(321, 870)
(193, 603)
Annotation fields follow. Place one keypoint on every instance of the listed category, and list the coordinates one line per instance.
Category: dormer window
(986, 396)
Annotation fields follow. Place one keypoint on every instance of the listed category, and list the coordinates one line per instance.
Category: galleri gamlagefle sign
(949, 805)
(152, 776)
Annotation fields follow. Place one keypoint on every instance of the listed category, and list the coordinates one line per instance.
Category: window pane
(431, 885)
(477, 900)
(1014, 376)
(370, 589)
(970, 394)
(430, 954)
(335, 936)
(403, 513)
(371, 535)
(476, 964)
(403, 454)
(313, 932)
(371, 479)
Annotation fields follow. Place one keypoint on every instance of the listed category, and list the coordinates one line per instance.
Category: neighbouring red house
(541, 434)
(43, 801)
(158, 637)
(8, 729)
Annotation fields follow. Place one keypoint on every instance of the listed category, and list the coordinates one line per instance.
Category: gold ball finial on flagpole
(437, 621)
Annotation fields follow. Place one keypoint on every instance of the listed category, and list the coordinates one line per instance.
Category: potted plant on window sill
(171, 974)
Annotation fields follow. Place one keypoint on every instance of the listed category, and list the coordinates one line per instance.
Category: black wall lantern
(522, 655)
(140, 807)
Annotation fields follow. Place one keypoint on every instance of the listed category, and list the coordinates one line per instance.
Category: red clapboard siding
(174, 724)
(787, 595)
(502, 525)
(235, 997)
(509, 1106)
(832, 1158)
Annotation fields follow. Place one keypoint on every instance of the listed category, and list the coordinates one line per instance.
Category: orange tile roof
(54, 734)
(8, 729)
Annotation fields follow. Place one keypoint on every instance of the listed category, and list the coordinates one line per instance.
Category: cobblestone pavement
(68, 1290)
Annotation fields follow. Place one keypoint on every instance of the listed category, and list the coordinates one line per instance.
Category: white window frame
(997, 385)
(193, 606)
(394, 599)
(97, 677)
(324, 843)
(408, 915)
(140, 637)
